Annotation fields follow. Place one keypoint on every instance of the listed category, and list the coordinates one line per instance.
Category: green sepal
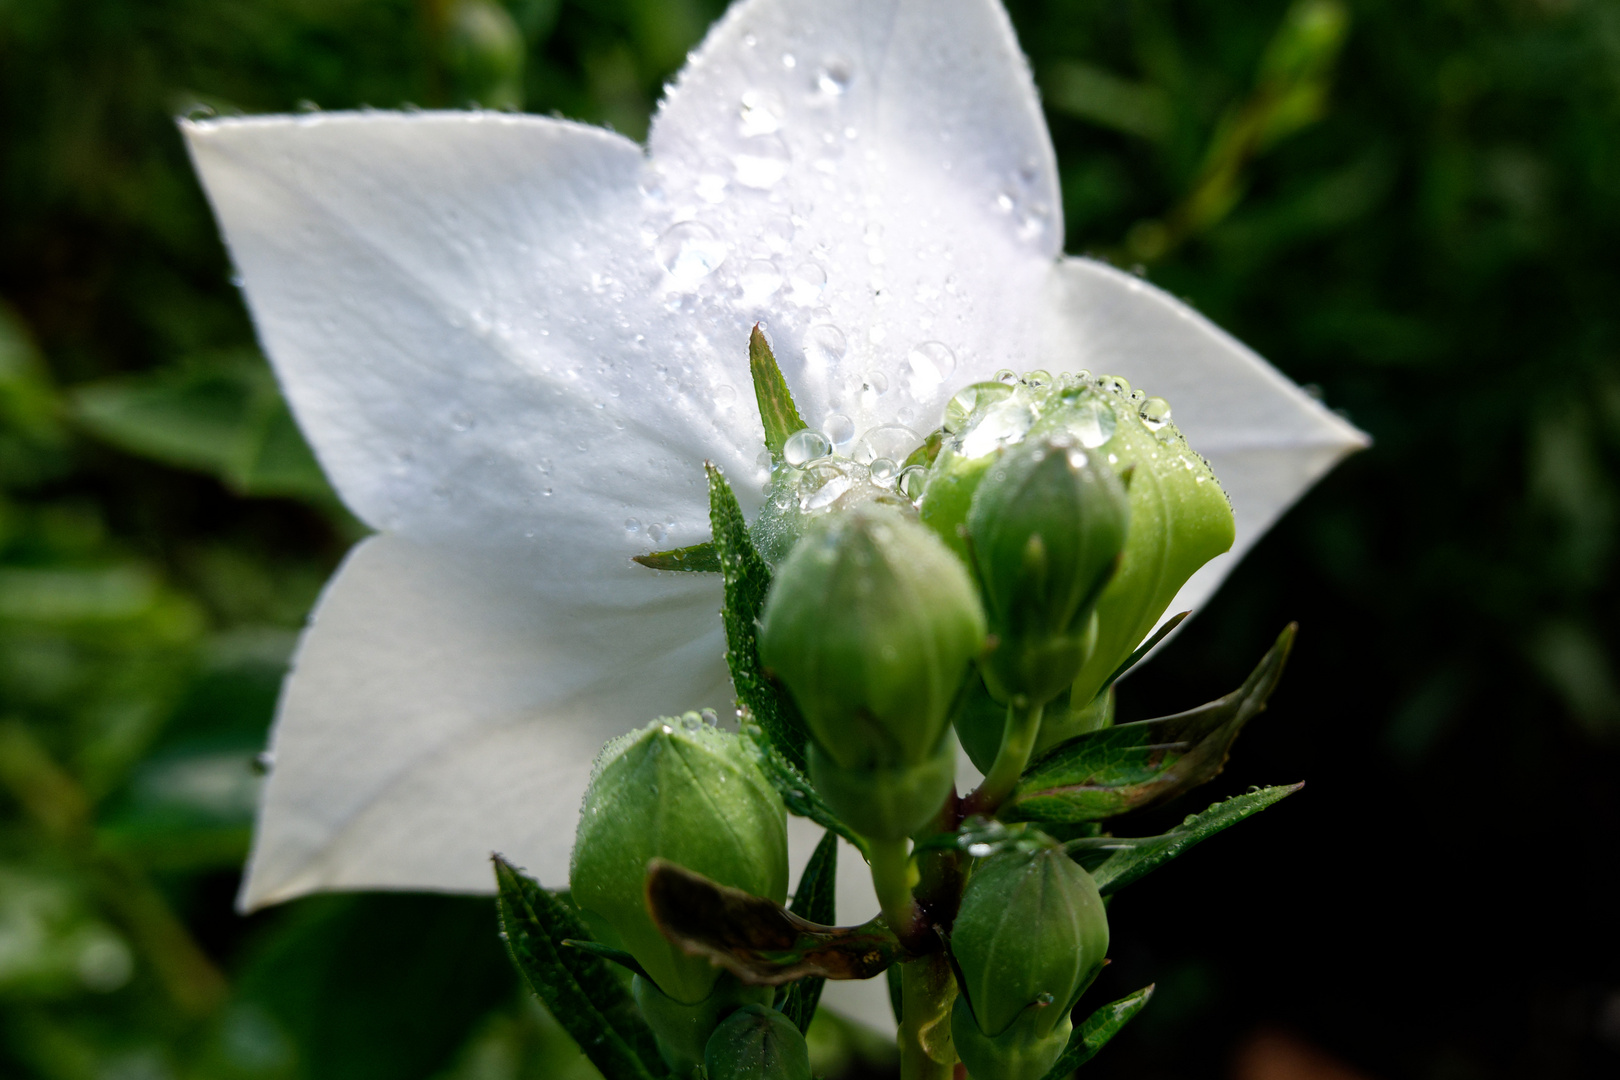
(1108, 772)
(815, 900)
(748, 579)
(758, 940)
(781, 417)
(1100, 1027)
(578, 989)
(798, 794)
(701, 558)
(1141, 650)
(1134, 858)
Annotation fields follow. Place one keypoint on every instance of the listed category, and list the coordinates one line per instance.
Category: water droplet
(762, 162)
(828, 493)
(892, 441)
(1006, 375)
(199, 111)
(759, 281)
(805, 446)
(931, 364)
(824, 345)
(1155, 413)
(1115, 384)
(789, 61)
(761, 112)
(968, 400)
(807, 282)
(778, 233)
(1091, 421)
(884, 470)
(980, 851)
(724, 396)
(462, 421)
(631, 525)
(238, 280)
(1002, 423)
(833, 78)
(912, 480)
(877, 382)
(690, 252)
(838, 428)
(1039, 379)
(305, 105)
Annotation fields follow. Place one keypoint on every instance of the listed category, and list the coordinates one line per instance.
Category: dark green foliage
(578, 988)
(815, 900)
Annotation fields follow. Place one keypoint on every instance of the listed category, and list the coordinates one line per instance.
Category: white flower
(513, 341)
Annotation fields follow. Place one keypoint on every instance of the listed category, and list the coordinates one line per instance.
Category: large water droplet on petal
(690, 251)
(759, 281)
(892, 441)
(825, 345)
(838, 428)
(1155, 413)
(807, 282)
(833, 78)
(931, 364)
(1092, 422)
(805, 446)
(762, 161)
(761, 112)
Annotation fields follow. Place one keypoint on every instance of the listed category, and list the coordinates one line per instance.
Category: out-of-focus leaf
(578, 988)
(220, 414)
(1104, 773)
(51, 943)
(1093, 94)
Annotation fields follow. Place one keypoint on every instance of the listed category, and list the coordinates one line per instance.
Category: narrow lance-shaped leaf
(1100, 1027)
(776, 406)
(815, 900)
(701, 558)
(579, 989)
(1104, 773)
(801, 799)
(1132, 858)
(748, 579)
(759, 941)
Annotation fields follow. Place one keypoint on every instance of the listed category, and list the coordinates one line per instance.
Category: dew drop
(657, 532)
(1039, 379)
(931, 363)
(838, 428)
(806, 283)
(1007, 375)
(759, 281)
(724, 396)
(824, 345)
(1115, 384)
(833, 78)
(632, 526)
(1092, 422)
(892, 441)
(970, 399)
(462, 421)
(912, 480)
(760, 113)
(690, 251)
(778, 233)
(877, 382)
(884, 470)
(789, 61)
(762, 161)
(805, 446)
(1155, 413)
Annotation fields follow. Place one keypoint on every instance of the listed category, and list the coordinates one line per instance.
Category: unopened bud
(872, 624)
(757, 1043)
(682, 790)
(1047, 525)
(1030, 935)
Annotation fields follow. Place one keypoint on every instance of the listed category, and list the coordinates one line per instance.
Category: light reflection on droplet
(690, 252)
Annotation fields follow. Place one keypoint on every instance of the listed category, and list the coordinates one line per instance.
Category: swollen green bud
(872, 624)
(682, 790)
(1030, 934)
(1047, 524)
(1179, 516)
(757, 1043)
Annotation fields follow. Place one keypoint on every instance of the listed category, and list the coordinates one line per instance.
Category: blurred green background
(1411, 206)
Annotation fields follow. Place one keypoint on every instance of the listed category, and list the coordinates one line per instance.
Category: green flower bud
(1179, 516)
(1030, 933)
(1019, 1053)
(871, 625)
(1047, 524)
(684, 1031)
(757, 1043)
(685, 791)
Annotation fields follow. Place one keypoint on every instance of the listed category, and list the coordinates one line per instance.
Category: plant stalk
(1017, 743)
(928, 990)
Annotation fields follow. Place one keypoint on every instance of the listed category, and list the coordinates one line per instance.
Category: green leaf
(748, 579)
(815, 900)
(776, 406)
(1100, 1027)
(578, 988)
(758, 940)
(1143, 649)
(1103, 773)
(1132, 858)
(700, 558)
(220, 414)
(610, 954)
(800, 797)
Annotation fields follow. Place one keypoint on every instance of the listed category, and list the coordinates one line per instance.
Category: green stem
(1017, 742)
(927, 991)
(891, 880)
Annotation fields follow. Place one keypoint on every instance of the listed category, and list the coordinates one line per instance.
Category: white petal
(1267, 440)
(895, 147)
(440, 710)
(462, 311)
